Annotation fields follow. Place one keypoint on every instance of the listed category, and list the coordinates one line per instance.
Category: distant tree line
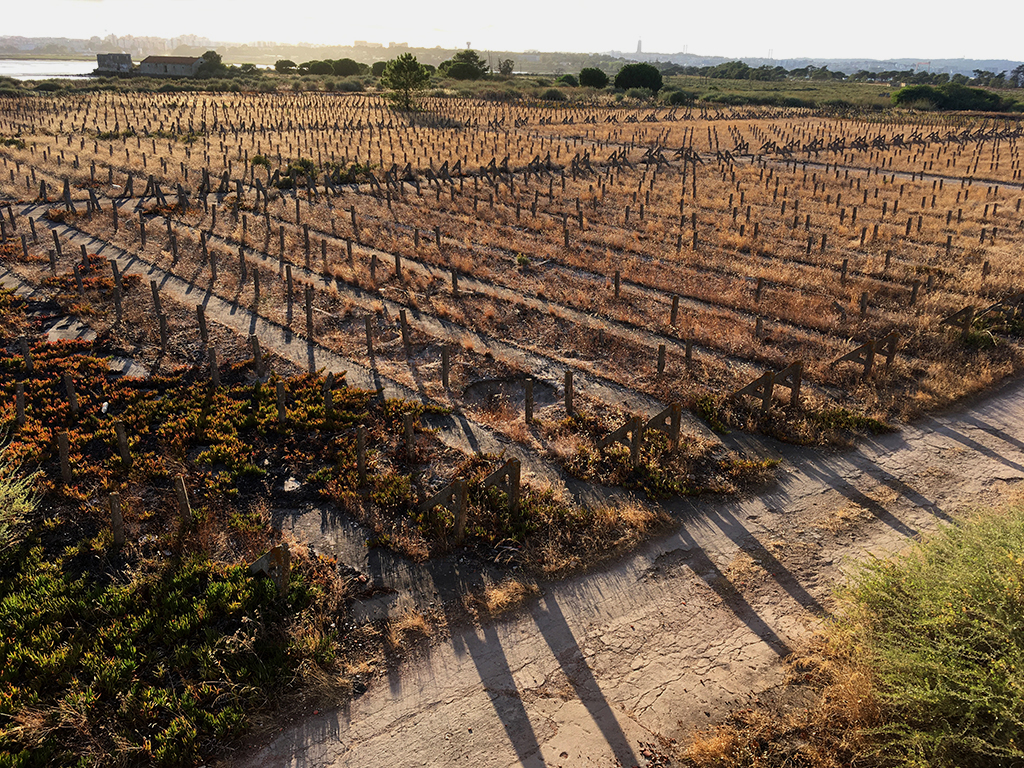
(737, 70)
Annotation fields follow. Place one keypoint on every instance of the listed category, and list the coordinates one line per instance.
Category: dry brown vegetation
(536, 253)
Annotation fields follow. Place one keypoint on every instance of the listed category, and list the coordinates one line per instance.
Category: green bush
(568, 80)
(346, 67)
(16, 502)
(942, 629)
(640, 94)
(639, 76)
(679, 98)
(950, 96)
(592, 77)
(553, 94)
(464, 65)
(351, 85)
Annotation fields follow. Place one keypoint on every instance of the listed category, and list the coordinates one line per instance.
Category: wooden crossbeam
(668, 421)
(507, 478)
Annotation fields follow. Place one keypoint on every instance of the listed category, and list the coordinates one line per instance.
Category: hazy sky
(877, 29)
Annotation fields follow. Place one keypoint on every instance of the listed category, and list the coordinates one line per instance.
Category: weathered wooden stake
(405, 332)
(214, 370)
(69, 388)
(445, 365)
(64, 448)
(26, 353)
(184, 507)
(568, 393)
(257, 355)
(162, 318)
(122, 445)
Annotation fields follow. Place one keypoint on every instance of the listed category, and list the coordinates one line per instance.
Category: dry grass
(819, 720)
(501, 598)
(407, 631)
(593, 536)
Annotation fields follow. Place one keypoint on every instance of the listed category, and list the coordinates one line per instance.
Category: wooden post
(162, 318)
(405, 332)
(455, 282)
(117, 275)
(661, 358)
(156, 296)
(64, 448)
(445, 365)
(568, 393)
(122, 445)
(528, 386)
(116, 519)
(369, 337)
(214, 370)
(616, 284)
(863, 303)
(675, 310)
(26, 353)
(184, 507)
(407, 429)
(69, 388)
(257, 355)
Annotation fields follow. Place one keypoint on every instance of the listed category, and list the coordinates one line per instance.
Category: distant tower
(639, 46)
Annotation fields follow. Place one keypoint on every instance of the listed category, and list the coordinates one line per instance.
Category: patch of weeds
(161, 666)
(707, 408)
(841, 418)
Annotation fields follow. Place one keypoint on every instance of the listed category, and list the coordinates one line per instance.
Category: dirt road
(674, 636)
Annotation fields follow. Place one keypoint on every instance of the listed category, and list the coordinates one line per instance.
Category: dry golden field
(740, 241)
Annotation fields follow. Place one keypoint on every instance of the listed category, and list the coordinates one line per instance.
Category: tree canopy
(639, 76)
(464, 65)
(592, 77)
(402, 76)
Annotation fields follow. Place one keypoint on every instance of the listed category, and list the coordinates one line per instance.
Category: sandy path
(674, 636)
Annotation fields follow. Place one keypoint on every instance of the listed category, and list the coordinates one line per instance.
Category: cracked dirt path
(674, 636)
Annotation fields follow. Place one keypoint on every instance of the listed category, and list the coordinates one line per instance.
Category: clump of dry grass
(407, 630)
(501, 598)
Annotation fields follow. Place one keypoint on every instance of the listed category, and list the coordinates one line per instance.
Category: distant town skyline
(798, 29)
